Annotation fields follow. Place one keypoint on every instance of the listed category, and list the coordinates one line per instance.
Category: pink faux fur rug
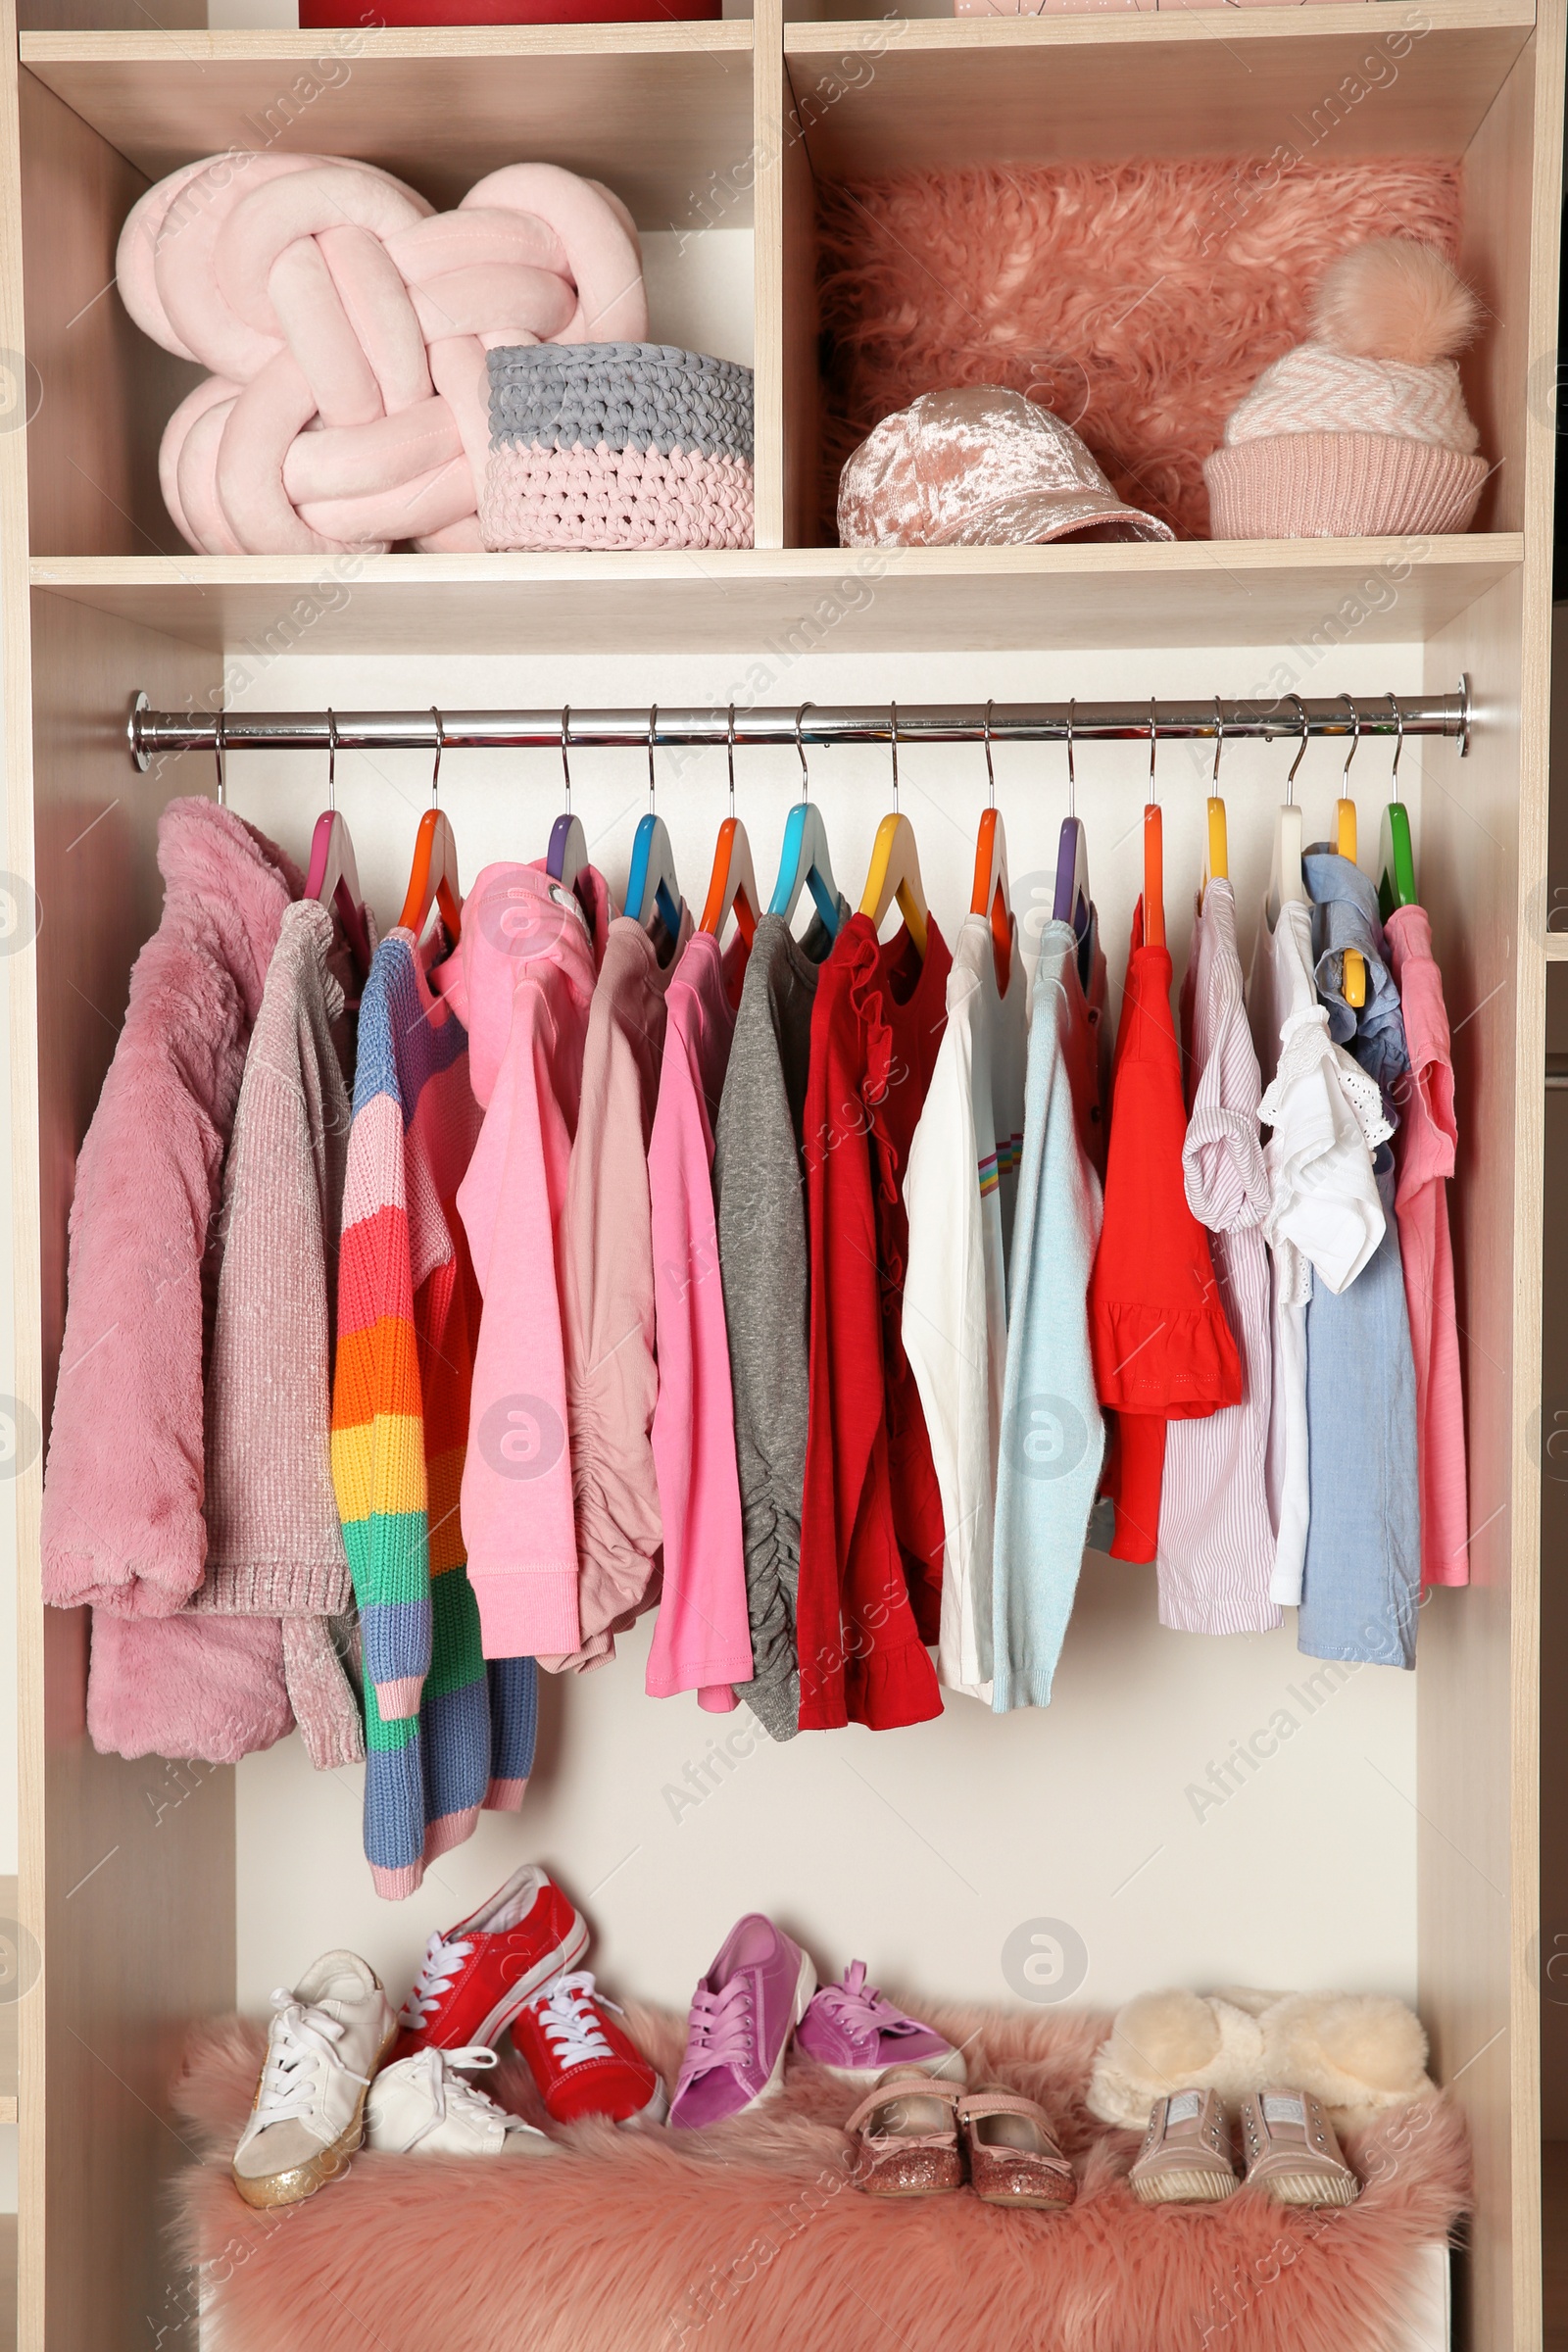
(749, 2239)
(1137, 301)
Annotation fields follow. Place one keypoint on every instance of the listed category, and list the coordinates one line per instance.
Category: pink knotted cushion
(346, 325)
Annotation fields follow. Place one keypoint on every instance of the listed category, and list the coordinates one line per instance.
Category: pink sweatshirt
(522, 983)
(701, 1641)
(608, 1295)
(1424, 1150)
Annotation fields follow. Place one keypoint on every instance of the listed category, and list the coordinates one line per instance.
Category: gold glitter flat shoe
(905, 2136)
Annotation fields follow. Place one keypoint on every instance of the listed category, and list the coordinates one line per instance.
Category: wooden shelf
(652, 108)
(1557, 947)
(1233, 592)
(1083, 88)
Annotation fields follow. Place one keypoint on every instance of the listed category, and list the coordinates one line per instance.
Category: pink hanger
(334, 877)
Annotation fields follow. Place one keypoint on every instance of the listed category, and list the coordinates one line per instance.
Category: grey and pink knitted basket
(602, 445)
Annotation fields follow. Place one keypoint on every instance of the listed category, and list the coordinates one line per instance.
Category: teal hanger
(652, 888)
(805, 861)
(1395, 856)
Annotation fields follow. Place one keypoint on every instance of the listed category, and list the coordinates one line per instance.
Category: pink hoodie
(703, 1639)
(522, 983)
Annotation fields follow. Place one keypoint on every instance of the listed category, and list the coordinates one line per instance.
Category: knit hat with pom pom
(1362, 431)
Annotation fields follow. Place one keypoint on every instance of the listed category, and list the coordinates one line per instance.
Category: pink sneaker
(742, 2016)
(854, 2031)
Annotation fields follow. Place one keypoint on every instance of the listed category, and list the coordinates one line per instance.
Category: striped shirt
(444, 1735)
(1216, 1540)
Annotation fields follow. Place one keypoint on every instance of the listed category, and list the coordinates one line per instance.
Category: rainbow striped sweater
(445, 1734)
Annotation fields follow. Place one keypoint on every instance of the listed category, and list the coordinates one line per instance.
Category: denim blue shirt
(1345, 914)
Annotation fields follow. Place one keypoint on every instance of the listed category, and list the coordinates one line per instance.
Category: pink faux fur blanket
(749, 2239)
(1138, 301)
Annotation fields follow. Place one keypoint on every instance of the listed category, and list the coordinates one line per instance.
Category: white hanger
(333, 877)
(1285, 884)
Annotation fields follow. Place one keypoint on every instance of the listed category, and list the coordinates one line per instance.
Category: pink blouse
(703, 1639)
(1424, 1154)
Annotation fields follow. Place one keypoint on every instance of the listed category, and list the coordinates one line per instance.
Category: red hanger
(1153, 856)
(733, 882)
(433, 877)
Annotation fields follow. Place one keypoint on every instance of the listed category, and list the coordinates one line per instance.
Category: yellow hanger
(1216, 866)
(896, 863)
(1353, 982)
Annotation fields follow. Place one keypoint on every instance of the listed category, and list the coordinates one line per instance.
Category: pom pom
(1392, 299)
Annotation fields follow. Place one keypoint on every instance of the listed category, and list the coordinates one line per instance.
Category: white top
(960, 1191)
(1216, 1539)
(1325, 1216)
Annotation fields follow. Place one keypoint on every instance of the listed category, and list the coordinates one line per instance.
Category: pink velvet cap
(978, 466)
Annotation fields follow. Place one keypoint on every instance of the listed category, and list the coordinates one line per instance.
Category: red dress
(1162, 1348)
(870, 1580)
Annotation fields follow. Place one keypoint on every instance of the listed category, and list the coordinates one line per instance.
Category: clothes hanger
(1154, 855)
(219, 749)
(1352, 978)
(652, 888)
(1395, 856)
(334, 876)
(1285, 884)
(433, 876)
(805, 861)
(567, 853)
(993, 893)
(896, 863)
(1071, 904)
(1216, 845)
(733, 882)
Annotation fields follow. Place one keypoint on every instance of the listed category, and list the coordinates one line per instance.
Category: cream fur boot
(1356, 2051)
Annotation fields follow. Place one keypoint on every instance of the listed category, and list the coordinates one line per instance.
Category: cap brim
(1040, 515)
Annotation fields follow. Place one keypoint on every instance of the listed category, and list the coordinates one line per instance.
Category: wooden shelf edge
(1557, 947)
(732, 36)
(1167, 25)
(1487, 553)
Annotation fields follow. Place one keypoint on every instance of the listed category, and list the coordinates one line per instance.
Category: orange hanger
(993, 895)
(433, 877)
(1216, 848)
(896, 863)
(1353, 978)
(733, 882)
(1153, 856)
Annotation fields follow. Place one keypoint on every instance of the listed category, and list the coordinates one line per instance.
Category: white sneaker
(326, 2040)
(419, 2103)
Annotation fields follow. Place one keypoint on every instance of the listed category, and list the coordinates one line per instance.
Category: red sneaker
(581, 2060)
(475, 1977)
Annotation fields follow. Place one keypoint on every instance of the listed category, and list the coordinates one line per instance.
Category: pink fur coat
(1138, 302)
(123, 1524)
(749, 2239)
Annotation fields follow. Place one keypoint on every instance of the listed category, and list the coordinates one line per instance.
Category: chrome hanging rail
(152, 732)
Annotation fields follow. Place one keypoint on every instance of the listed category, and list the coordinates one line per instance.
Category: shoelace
(862, 2009)
(302, 2040)
(438, 1973)
(721, 2029)
(448, 2089)
(564, 2008)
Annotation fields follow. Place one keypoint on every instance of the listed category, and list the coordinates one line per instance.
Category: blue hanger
(652, 888)
(804, 859)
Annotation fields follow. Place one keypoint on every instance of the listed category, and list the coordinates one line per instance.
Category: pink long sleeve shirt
(521, 982)
(1424, 1150)
(701, 1641)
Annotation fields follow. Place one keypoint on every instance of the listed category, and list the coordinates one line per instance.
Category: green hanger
(1395, 858)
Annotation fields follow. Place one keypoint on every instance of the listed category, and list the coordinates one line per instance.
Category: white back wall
(921, 1851)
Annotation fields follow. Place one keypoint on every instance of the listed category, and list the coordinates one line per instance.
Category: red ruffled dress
(1162, 1349)
(872, 1538)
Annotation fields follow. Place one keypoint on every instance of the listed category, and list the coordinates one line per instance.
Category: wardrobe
(158, 1894)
